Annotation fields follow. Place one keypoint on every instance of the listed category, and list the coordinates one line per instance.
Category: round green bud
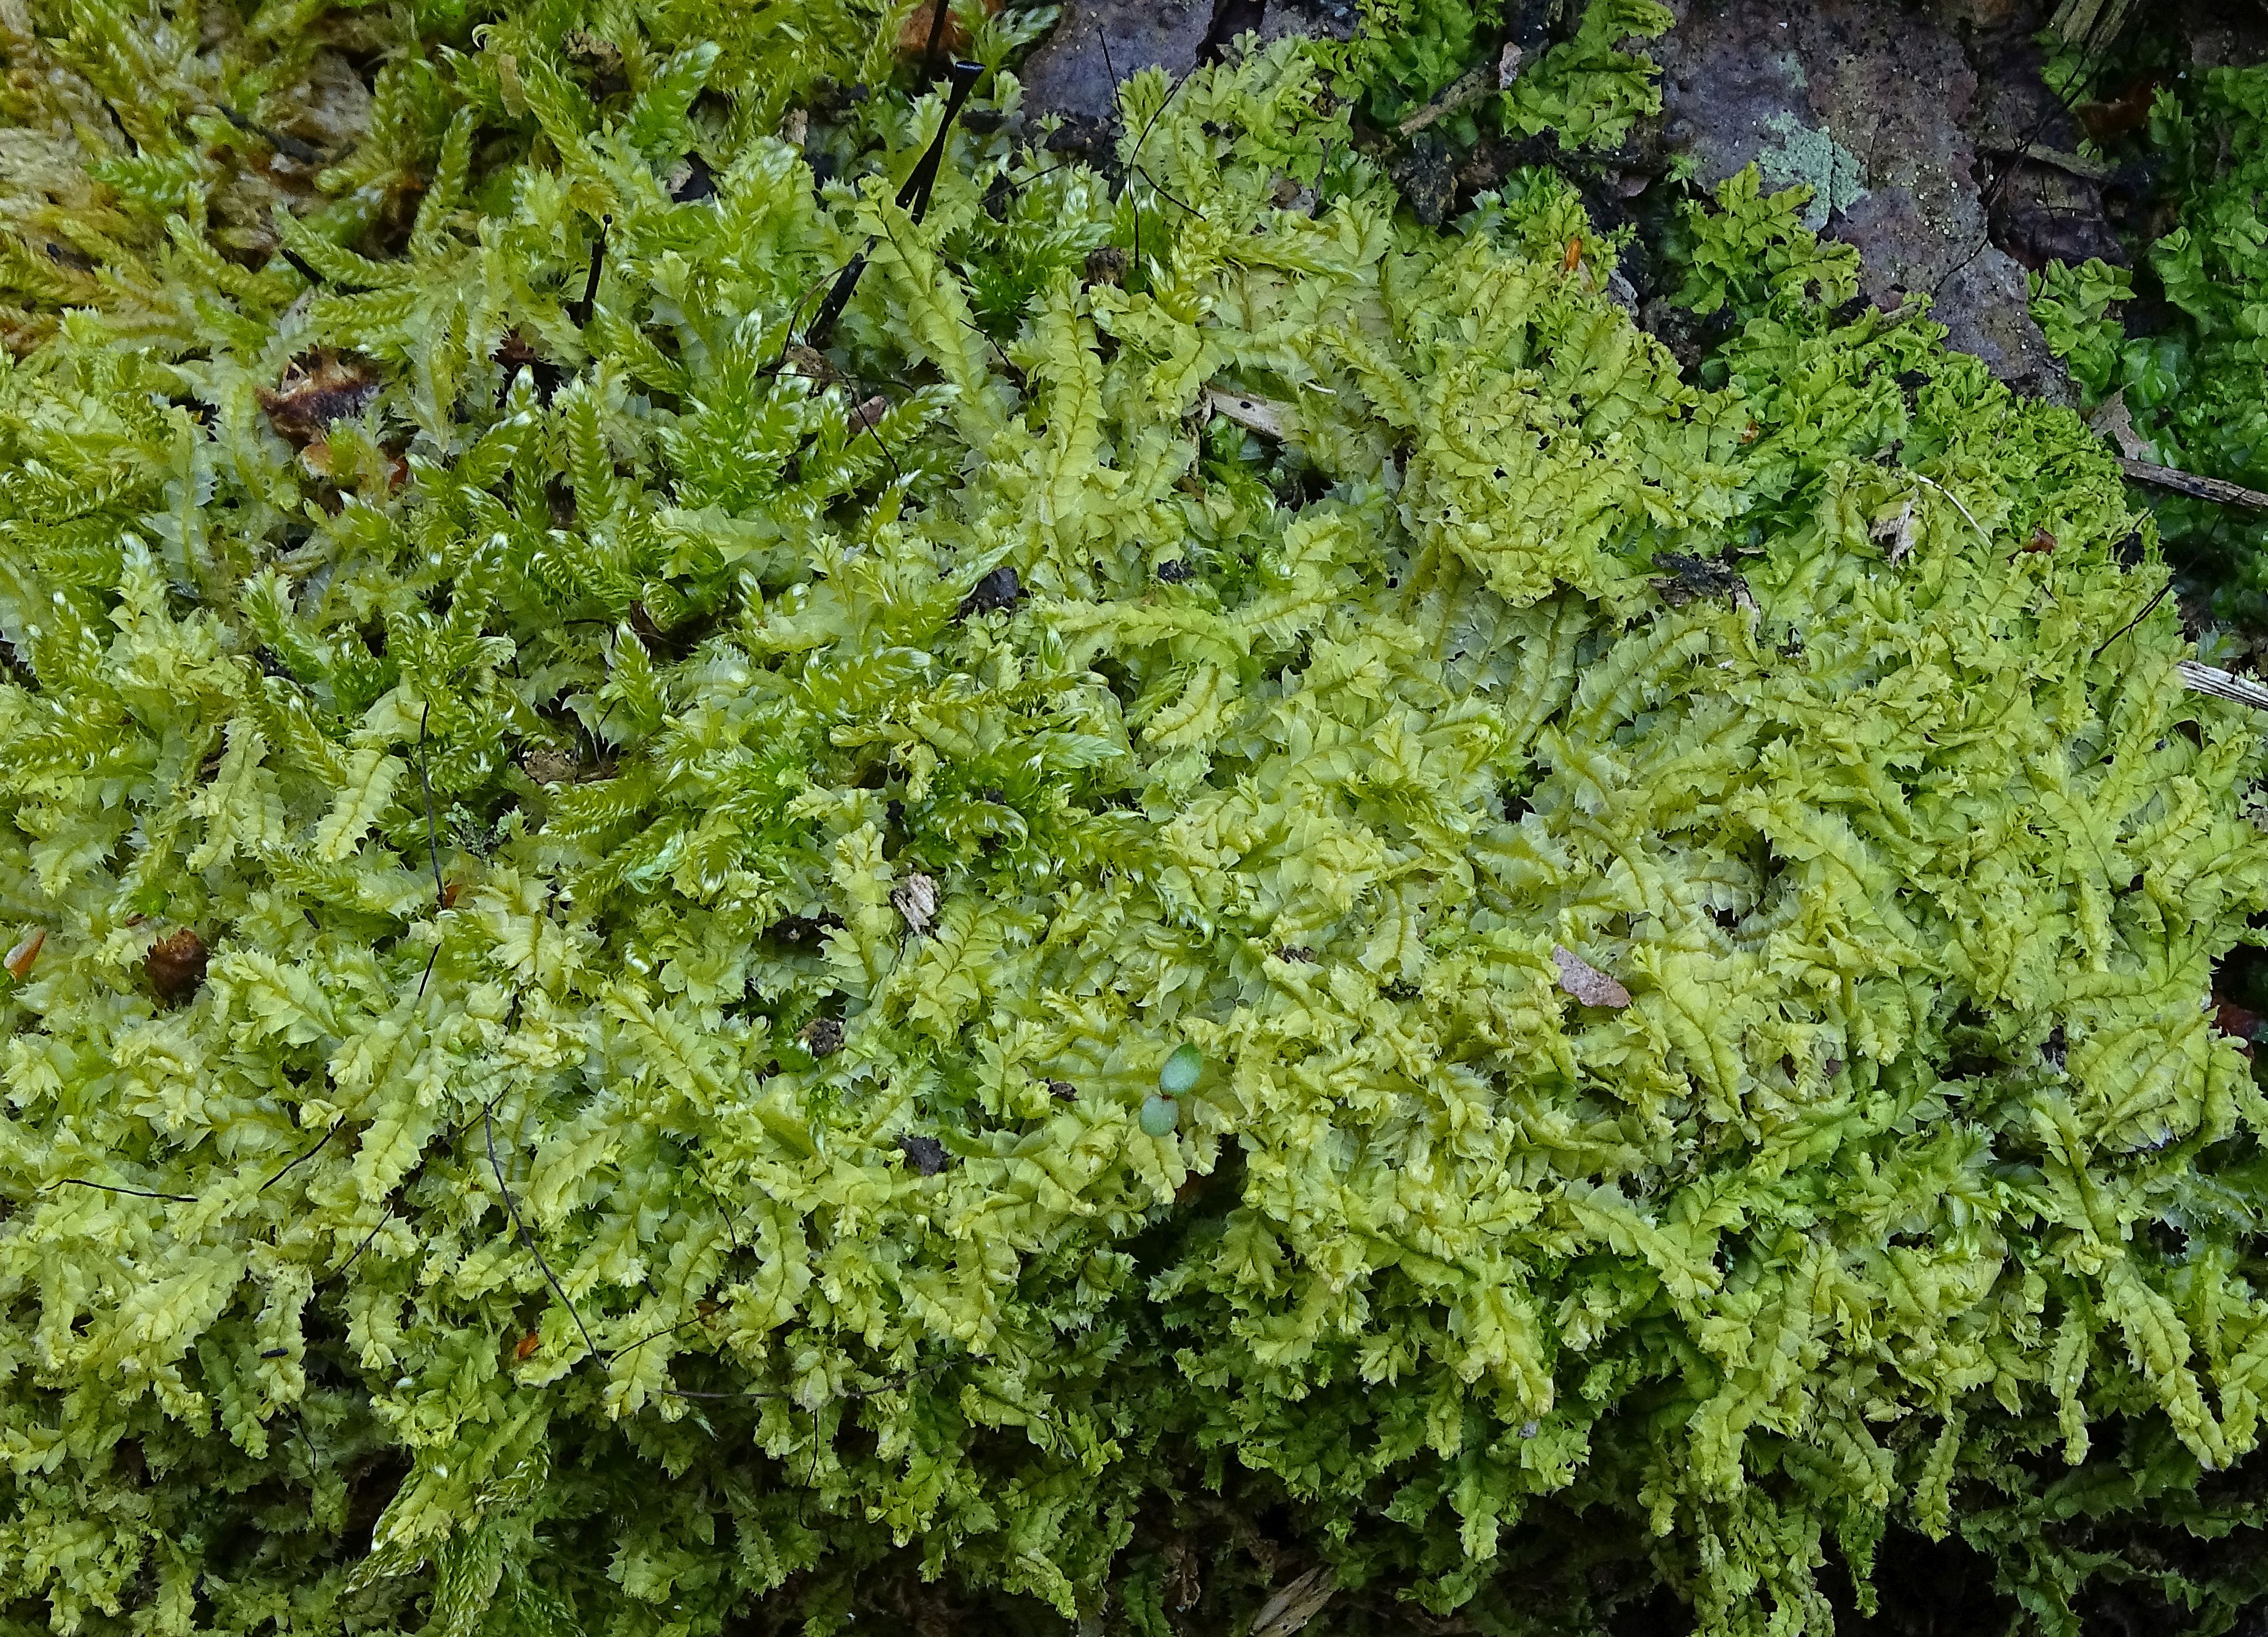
(1181, 1071)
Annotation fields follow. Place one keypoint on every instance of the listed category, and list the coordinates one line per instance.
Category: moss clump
(607, 906)
(2193, 378)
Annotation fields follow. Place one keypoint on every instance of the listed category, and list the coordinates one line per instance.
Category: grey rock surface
(1870, 104)
(1071, 71)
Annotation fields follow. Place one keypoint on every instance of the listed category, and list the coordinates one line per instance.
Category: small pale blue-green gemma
(1181, 1071)
(1159, 1116)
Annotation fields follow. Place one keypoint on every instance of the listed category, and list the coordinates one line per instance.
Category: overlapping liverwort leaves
(1673, 925)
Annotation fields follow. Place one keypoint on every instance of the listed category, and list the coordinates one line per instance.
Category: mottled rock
(1869, 104)
(1072, 71)
(2220, 34)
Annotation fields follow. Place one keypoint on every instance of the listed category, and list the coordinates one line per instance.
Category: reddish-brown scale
(317, 388)
(176, 966)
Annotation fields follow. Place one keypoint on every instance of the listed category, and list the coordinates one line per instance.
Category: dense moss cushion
(600, 883)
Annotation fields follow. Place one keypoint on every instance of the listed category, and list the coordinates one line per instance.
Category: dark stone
(1106, 264)
(1088, 139)
(317, 388)
(1426, 171)
(1689, 577)
(1098, 43)
(1230, 20)
(926, 1154)
(797, 930)
(1000, 589)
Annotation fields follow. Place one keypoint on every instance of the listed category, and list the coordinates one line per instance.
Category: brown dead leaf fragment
(525, 1348)
(822, 1036)
(27, 950)
(952, 35)
(317, 388)
(2113, 420)
(809, 362)
(867, 416)
(595, 50)
(1106, 264)
(1184, 1581)
(1586, 982)
(2041, 541)
(547, 766)
(2240, 1023)
(175, 966)
(514, 353)
(915, 899)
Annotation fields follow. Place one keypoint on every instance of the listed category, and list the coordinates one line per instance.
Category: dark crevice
(1230, 18)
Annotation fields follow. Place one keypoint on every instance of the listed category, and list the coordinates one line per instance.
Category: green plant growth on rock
(1588, 90)
(2196, 388)
(601, 890)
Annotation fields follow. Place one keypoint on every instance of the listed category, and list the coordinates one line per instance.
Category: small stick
(1981, 532)
(289, 146)
(433, 834)
(939, 10)
(329, 1132)
(2189, 483)
(1469, 87)
(2040, 153)
(366, 1238)
(914, 197)
(1263, 415)
(2202, 679)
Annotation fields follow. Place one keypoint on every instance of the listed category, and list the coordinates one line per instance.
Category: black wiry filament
(912, 198)
(579, 311)
(939, 10)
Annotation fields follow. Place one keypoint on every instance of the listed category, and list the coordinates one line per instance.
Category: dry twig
(2181, 482)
